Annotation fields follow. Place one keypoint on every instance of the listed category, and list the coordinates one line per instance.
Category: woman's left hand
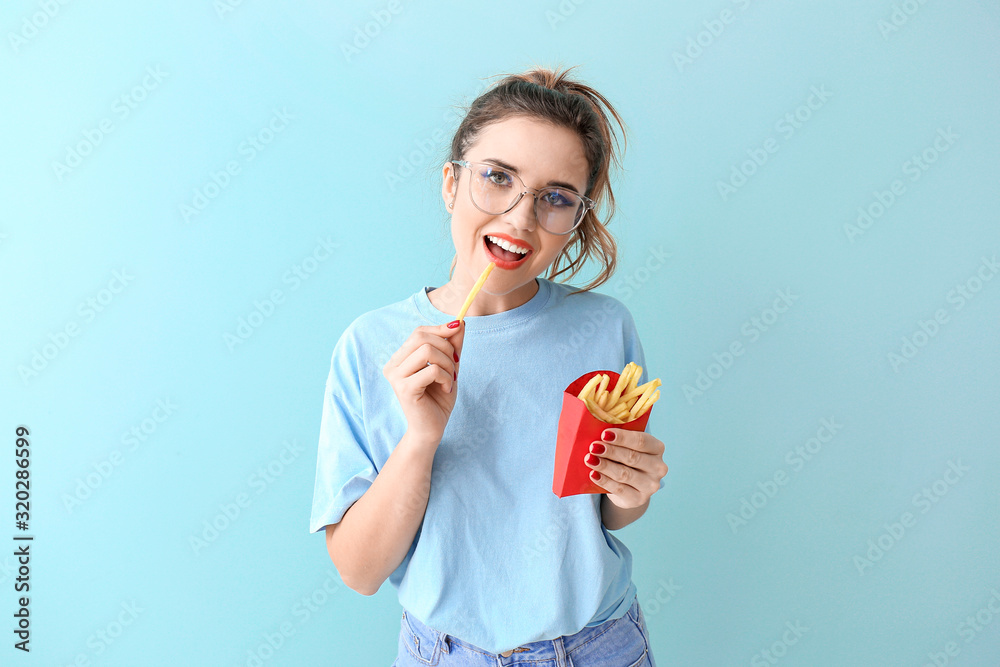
(630, 467)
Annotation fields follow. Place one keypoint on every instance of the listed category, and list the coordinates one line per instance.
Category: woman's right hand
(423, 374)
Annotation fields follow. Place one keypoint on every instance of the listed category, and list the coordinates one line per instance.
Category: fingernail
(593, 460)
(596, 475)
(453, 324)
(454, 376)
(597, 448)
(608, 436)
(455, 354)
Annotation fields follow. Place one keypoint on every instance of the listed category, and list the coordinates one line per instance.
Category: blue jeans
(622, 642)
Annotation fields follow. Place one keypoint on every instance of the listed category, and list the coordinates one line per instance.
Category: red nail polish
(597, 448)
(593, 460)
(453, 324)
(455, 354)
(454, 376)
(596, 475)
(608, 436)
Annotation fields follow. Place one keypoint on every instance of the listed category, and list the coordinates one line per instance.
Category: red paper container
(577, 429)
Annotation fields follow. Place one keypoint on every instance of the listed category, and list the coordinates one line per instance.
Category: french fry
(647, 404)
(642, 389)
(596, 410)
(588, 389)
(619, 411)
(602, 391)
(634, 380)
(623, 381)
(475, 290)
(626, 401)
(634, 412)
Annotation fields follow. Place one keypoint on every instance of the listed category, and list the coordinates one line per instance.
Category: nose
(522, 216)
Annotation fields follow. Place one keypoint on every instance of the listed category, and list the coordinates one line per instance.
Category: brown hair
(554, 97)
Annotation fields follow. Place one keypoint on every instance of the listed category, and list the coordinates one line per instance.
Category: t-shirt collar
(481, 322)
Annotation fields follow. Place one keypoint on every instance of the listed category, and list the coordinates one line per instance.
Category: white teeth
(508, 246)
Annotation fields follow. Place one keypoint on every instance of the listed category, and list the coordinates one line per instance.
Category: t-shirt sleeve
(344, 465)
(634, 352)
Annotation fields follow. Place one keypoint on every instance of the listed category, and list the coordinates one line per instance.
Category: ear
(449, 184)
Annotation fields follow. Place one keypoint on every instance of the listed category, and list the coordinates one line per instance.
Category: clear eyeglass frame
(588, 203)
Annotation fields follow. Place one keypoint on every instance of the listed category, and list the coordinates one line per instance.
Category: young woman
(435, 469)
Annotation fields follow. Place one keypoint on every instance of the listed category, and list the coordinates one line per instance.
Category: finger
(627, 493)
(421, 381)
(637, 440)
(651, 464)
(457, 339)
(423, 356)
(622, 475)
(420, 336)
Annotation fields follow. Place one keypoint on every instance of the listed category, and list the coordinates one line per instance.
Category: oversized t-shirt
(499, 559)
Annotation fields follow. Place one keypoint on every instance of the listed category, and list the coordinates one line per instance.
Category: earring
(451, 205)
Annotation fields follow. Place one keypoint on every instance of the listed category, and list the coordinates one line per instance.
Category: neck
(449, 297)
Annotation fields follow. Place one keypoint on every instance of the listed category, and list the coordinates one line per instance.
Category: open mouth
(504, 258)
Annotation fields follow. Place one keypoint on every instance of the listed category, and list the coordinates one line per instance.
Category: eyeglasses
(495, 191)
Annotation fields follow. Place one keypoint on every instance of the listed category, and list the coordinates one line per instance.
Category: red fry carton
(577, 429)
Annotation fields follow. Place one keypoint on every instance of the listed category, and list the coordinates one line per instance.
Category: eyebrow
(510, 167)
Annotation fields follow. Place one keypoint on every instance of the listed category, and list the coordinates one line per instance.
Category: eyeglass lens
(494, 190)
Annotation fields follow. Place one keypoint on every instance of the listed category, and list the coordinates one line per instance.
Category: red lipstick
(503, 263)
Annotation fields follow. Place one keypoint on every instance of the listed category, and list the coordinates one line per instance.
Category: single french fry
(588, 389)
(598, 412)
(633, 381)
(602, 390)
(634, 412)
(644, 408)
(620, 385)
(475, 290)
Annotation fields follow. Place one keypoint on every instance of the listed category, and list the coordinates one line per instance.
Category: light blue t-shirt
(499, 560)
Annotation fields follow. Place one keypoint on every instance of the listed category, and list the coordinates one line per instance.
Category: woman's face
(541, 154)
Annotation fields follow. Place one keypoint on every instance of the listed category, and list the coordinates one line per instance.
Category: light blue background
(712, 595)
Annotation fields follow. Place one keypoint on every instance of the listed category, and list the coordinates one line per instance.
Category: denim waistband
(546, 649)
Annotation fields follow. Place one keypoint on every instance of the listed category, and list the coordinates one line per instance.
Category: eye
(559, 199)
(496, 177)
